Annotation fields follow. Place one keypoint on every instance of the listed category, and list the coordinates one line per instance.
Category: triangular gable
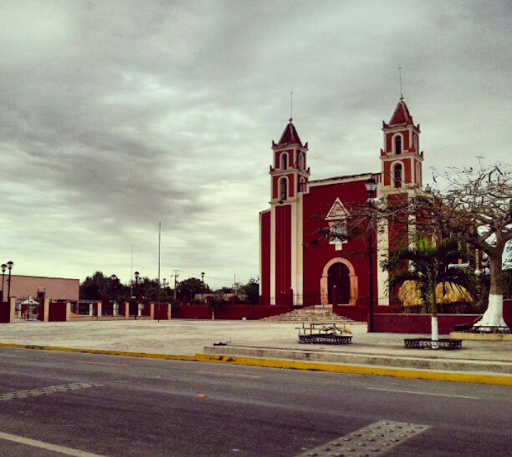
(337, 211)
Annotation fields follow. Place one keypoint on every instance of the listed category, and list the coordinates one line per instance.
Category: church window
(398, 144)
(284, 161)
(397, 175)
(337, 219)
(302, 185)
(283, 189)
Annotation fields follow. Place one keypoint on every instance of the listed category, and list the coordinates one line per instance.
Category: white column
(300, 251)
(293, 246)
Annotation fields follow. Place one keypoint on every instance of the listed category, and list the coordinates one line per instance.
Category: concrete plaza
(188, 337)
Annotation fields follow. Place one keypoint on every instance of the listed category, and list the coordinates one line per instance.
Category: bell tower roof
(289, 136)
(401, 114)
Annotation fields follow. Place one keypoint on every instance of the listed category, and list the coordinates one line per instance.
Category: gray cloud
(115, 116)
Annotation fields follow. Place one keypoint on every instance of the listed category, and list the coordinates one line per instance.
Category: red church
(296, 269)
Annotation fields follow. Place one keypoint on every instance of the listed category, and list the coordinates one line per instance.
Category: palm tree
(430, 265)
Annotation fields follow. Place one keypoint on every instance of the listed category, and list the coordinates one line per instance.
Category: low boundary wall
(228, 312)
(419, 323)
(359, 313)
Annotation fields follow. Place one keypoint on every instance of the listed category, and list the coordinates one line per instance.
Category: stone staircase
(317, 313)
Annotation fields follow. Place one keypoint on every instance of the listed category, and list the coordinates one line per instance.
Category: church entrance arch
(338, 284)
(338, 275)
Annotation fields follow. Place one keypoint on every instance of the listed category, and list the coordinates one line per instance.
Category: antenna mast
(291, 106)
(400, 77)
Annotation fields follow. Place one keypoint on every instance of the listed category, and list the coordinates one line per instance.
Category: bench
(323, 333)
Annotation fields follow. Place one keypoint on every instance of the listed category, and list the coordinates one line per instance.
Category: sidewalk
(260, 340)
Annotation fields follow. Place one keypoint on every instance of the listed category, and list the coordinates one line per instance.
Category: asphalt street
(54, 404)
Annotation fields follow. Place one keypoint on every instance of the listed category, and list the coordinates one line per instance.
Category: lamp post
(137, 276)
(202, 286)
(371, 187)
(10, 264)
(4, 267)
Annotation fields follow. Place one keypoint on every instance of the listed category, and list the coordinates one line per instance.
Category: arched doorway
(346, 294)
(338, 278)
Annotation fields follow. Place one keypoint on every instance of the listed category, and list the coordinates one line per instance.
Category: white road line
(422, 393)
(48, 446)
(230, 375)
(375, 439)
(45, 391)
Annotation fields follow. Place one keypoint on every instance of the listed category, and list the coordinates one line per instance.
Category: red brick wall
(283, 255)
(228, 312)
(419, 323)
(57, 312)
(265, 258)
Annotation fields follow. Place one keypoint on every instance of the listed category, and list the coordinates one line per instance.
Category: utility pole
(159, 246)
(176, 275)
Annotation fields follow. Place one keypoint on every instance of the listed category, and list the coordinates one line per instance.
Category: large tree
(98, 286)
(476, 205)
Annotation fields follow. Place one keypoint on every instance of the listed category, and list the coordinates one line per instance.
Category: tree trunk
(213, 314)
(434, 326)
(493, 316)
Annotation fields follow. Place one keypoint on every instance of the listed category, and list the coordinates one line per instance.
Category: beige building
(53, 288)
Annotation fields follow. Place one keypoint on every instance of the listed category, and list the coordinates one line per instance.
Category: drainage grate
(374, 440)
(46, 390)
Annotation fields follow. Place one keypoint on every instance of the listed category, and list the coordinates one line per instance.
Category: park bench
(323, 333)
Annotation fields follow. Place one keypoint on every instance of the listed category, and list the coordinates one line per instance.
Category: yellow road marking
(472, 378)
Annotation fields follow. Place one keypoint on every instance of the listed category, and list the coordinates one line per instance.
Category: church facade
(295, 268)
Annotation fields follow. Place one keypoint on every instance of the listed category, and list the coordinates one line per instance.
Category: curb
(472, 378)
(188, 358)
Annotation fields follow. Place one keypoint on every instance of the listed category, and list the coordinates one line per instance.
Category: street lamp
(10, 264)
(137, 276)
(371, 187)
(202, 286)
(4, 267)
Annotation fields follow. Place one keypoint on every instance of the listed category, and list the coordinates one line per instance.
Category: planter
(426, 343)
(325, 339)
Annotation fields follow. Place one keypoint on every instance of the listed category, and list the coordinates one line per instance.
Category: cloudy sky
(118, 115)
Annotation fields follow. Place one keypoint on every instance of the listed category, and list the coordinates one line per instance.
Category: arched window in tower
(283, 189)
(397, 175)
(284, 161)
(302, 185)
(398, 144)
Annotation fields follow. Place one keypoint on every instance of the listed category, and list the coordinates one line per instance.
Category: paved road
(117, 406)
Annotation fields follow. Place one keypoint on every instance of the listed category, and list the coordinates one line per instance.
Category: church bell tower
(401, 157)
(289, 177)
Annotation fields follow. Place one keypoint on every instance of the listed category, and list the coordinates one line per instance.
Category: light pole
(9, 267)
(202, 286)
(137, 275)
(4, 267)
(371, 187)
